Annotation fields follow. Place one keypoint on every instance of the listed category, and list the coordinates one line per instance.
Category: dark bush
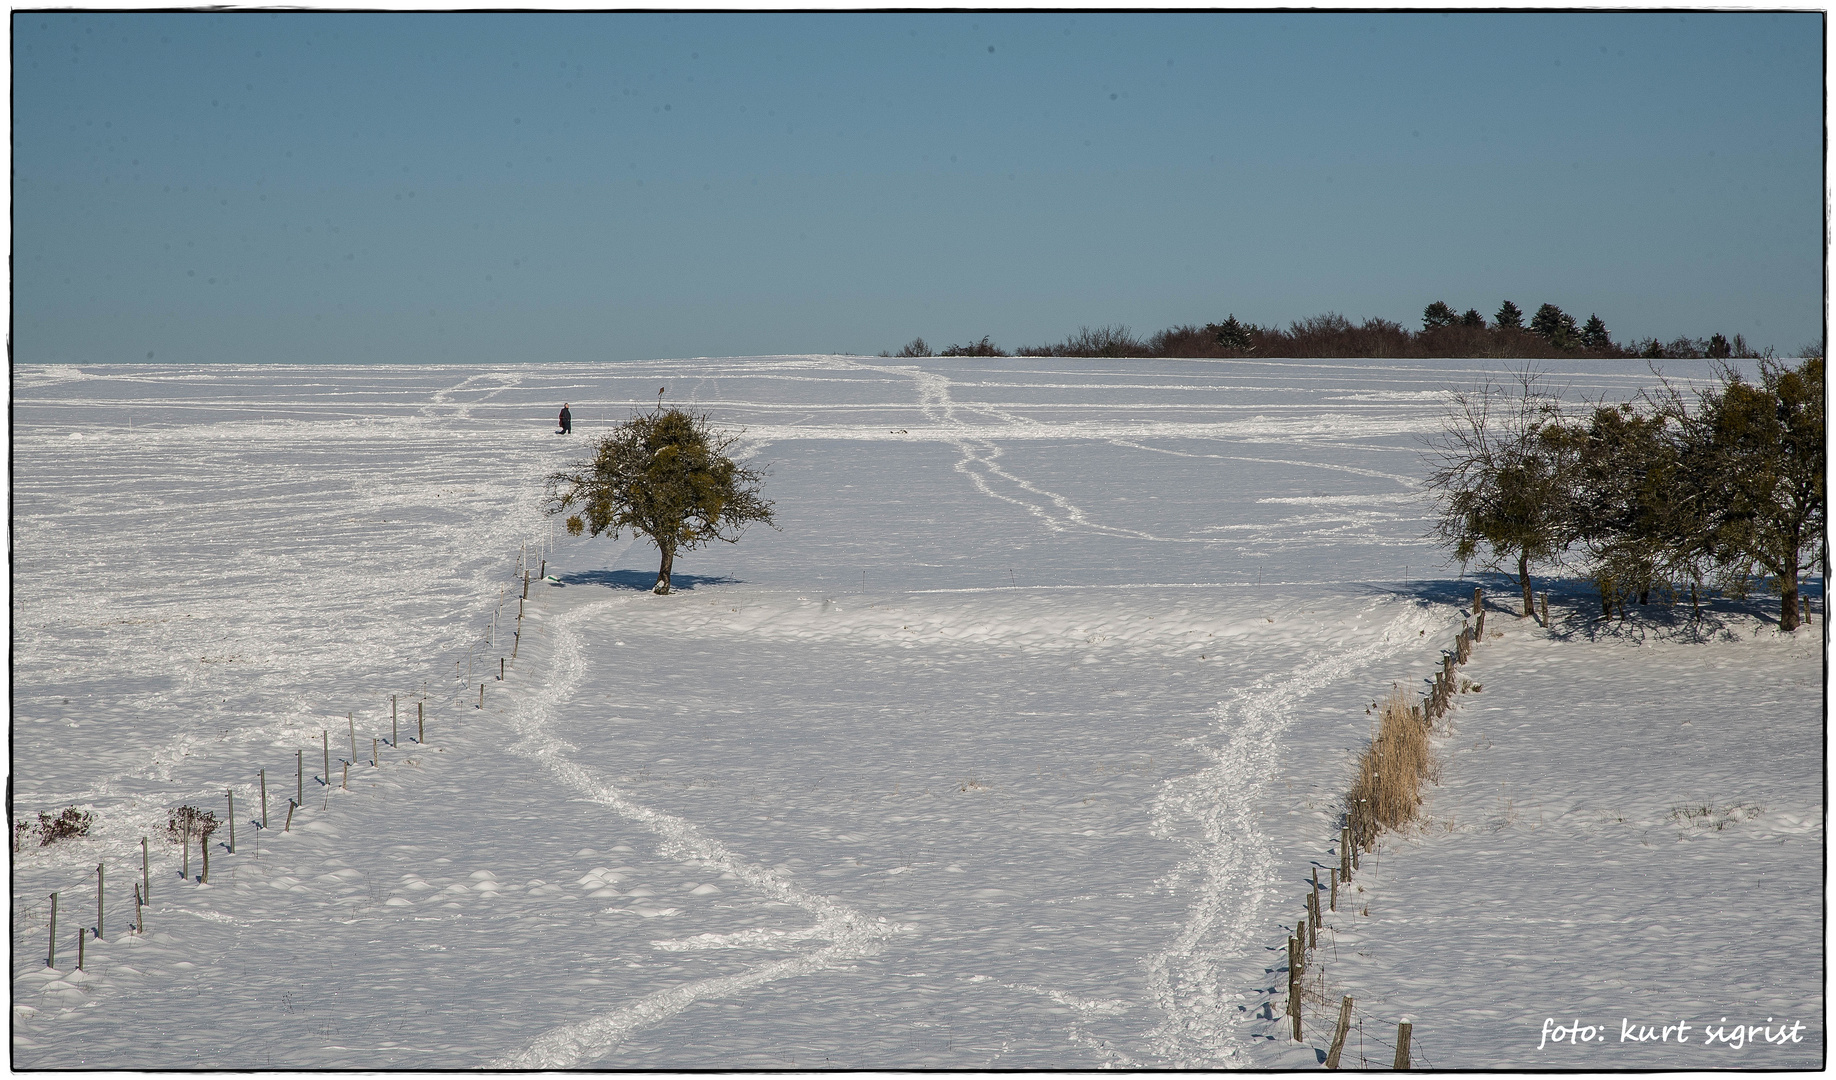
(69, 825)
(1184, 342)
(983, 347)
(1105, 341)
(72, 824)
(201, 823)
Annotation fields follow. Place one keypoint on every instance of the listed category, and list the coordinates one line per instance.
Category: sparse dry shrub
(201, 824)
(72, 824)
(69, 825)
(1388, 789)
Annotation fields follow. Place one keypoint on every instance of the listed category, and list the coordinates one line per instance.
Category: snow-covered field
(1012, 749)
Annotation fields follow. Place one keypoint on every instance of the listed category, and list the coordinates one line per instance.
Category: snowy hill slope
(1010, 750)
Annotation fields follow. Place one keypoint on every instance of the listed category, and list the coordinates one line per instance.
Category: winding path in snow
(851, 933)
(1232, 861)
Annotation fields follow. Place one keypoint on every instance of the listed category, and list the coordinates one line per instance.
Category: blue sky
(533, 187)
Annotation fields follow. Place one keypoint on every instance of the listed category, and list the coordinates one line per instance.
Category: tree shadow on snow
(1575, 609)
(640, 580)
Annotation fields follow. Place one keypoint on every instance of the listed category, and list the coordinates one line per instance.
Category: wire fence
(1318, 1014)
(189, 821)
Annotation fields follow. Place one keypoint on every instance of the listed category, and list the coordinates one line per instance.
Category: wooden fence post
(1545, 610)
(231, 795)
(1295, 977)
(420, 723)
(299, 776)
(1402, 1047)
(1479, 612)
(1335, 888)
(146, 881)
(395, 735)
(353, 723)
(140, 920)
(1338, 1033)
(325, 747)
(375, 758)
(204, 850)
(51, 953)
(79, 948)
(185, 851)
(99, 914)
(289, 826)
(1294, 985)
(1345, 854)
(264, 798)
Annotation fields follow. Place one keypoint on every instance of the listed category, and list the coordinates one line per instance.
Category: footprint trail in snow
(851, 933)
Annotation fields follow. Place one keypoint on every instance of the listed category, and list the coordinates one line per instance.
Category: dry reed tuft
(1388, 790)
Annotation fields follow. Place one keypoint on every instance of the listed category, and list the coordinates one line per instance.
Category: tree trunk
(663, 571)
(1788, 598)
(1523, 578)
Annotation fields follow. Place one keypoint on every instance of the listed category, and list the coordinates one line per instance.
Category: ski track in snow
(1232, 859)
(980, 457)
(851, 933)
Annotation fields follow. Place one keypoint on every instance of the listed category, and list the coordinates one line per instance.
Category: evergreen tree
(1594, 335)
(1437, 315)
(1508, 316)
(1718, 348)
(664, 475)
(1472, 318)
(1232, 334)
(1557, 326)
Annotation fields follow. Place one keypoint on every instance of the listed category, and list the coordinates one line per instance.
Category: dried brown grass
(1388, 790)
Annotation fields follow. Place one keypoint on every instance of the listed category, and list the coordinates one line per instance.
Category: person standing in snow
(567, 420)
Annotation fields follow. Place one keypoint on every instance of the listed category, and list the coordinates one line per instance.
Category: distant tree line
(1549, 333)
(1672, 494)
